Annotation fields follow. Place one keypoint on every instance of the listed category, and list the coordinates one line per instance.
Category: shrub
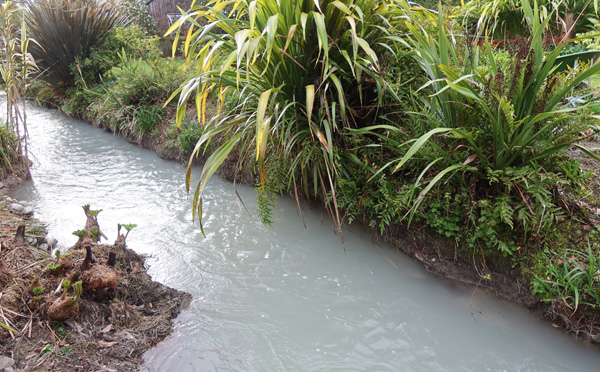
(136, 11)
(132, 102)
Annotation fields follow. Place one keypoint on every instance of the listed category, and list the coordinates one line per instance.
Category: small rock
(44, 246)
(16, 207)
(30, 240)
(2, 185)
(23, 202)
(51, 241)
(6, 362)
(8, 369)
(27, 210)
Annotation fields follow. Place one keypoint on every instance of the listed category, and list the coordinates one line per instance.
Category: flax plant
(292, 71)
(66, 31)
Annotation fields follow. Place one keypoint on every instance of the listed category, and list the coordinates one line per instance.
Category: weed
(47, 349)
(572, 279)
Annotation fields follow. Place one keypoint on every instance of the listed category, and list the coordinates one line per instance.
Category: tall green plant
(15, 66)
(293, 71)
(65, 31)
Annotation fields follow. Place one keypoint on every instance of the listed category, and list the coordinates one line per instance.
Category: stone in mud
(44, 246)
(27, 210)
(16, 207)
(23, 202)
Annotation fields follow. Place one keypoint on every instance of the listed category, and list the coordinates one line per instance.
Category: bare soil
(121, 312)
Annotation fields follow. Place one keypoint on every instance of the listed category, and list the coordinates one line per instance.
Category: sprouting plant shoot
(66, 284)
(78, 289)
(86, 208)
(94, 232)
(38, 290)
(127, 227)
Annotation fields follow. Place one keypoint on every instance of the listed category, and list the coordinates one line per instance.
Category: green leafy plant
(572, 279)
(16, 66)
(185, 137)
(295, 72)
(38, 290)
(146, 118)
(136, 11)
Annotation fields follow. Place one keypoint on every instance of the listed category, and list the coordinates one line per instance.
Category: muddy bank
(91, 308)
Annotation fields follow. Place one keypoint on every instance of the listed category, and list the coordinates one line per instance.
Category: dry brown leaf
(106, 329)
(107, 344)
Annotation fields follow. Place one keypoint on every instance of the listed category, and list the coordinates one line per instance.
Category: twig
(15, 313)
(32, 264)
(54, 336)
(7, 322)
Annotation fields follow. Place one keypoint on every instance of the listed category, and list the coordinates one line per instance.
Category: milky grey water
(280, 298)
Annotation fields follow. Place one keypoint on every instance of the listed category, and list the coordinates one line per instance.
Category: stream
(281, 297)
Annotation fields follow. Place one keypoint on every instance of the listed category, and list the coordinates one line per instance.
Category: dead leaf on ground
(107, 344)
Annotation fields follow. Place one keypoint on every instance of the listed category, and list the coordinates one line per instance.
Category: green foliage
(66, 284)
(129, 226)
(185, 137)
(266, 203)
(571, 169)
(80, 233)
(136, 96)
(38, 290)
(66, 32)
(78, 289)
(136, 11)
(445, 215)
(295, 71)
(584, 42)
(503, 18)
(571, 279)
(137, 43)
(16, 65)
(9, 148)
(47, 349)
(502, 122)
(146, 118)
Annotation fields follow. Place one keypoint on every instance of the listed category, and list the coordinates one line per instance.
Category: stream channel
(279, 298)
